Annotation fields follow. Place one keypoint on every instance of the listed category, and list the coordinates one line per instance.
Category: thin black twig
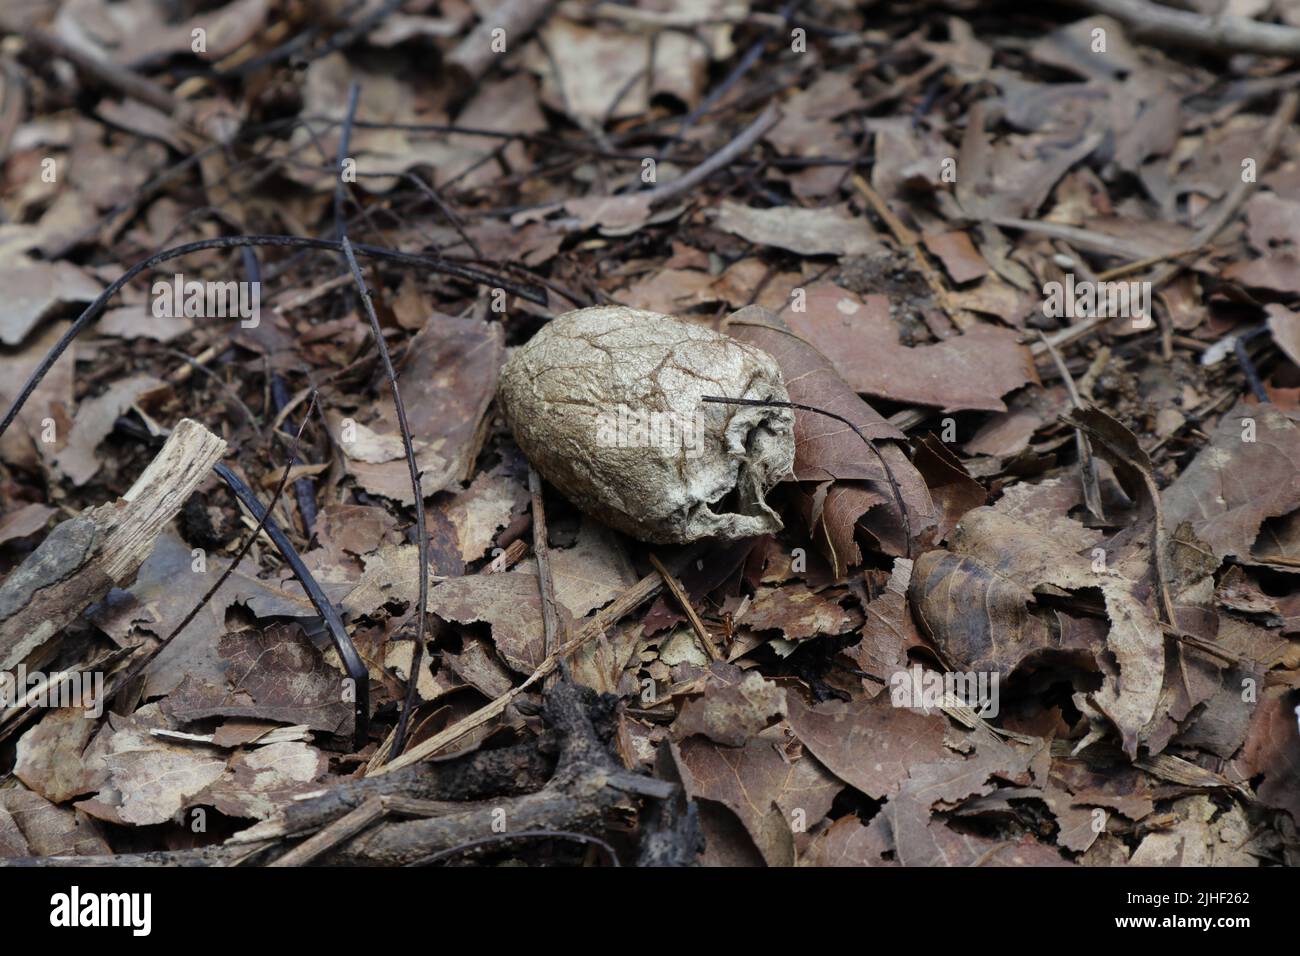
(261, 523)
(889, 473)
(1248, 369)
(422, 538)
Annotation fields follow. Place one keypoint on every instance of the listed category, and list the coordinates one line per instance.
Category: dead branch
(1221, 33)
(644, 589)
(81, 559)
(507, 772)
(587, 786)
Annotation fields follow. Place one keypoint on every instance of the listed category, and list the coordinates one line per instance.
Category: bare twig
(352, 662)
(1220, 33)
(746, 138)
(338, 832)
(1087, 464)
(912, 242)
(422, 537)
(345, 140)
(746, 62)
(115, 77)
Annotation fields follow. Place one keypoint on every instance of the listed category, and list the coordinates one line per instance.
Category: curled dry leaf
(605, 402)
(975, 602)
(849, 479)
(1248, 472)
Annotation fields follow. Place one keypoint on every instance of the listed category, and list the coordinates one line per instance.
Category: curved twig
(422, 538)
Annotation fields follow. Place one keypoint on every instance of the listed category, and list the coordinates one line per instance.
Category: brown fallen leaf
(958, 255)
(888, 633)
(1272, 749)
(970, 371)
(94, 420)
(850, 842)
(34, 289)
(831, 454)
(49, 755)
(586, 576)
(1276, 273)
(799, 612)
(974, 601)
(447, 380)
(275, 674)
(144, 779)
(24, 445)
(24, 521)
(258, 782)
(1201, 834)
(32, 826)
(1284, 325)
(488, 505)
(869, 743)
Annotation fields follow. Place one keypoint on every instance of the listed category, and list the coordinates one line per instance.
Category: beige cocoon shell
(605, 402)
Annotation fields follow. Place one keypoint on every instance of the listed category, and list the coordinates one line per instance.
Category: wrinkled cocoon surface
(605, 402)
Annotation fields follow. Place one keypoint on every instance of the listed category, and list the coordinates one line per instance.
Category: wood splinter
(82, 558)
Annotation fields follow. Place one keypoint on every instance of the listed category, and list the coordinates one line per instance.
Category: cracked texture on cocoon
(605, 402)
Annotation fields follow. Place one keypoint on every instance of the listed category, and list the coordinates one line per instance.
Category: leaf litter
(921, 648)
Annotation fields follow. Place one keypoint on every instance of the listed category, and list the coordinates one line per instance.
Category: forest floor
(1045, 264)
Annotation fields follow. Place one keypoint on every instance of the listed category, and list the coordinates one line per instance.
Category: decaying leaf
(447, 381)
(275, 674)
(605, 402)
(974, 600)
(809, 232)
(734, 708)
(969, 371)
(762, 785)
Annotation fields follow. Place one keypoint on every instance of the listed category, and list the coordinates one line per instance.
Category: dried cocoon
(605, 402)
